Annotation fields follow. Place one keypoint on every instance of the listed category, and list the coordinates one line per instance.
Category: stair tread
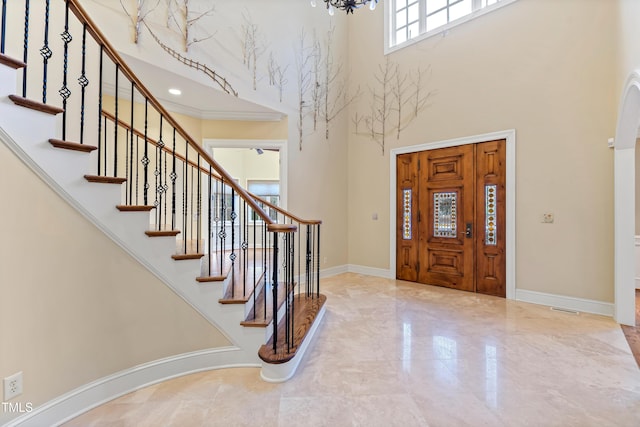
(305, 312)
(35, 105)
(162, 233)
(135, 208)
(182, 257)
(74, 146)
(105, 179)
(258, 316)
(11, 62)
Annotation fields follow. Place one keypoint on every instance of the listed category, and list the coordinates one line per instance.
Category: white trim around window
(390, 24)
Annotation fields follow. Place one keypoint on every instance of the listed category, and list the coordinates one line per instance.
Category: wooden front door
(451, 217)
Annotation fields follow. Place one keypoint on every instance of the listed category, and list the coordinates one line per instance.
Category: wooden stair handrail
(204, 170)
(92, 28)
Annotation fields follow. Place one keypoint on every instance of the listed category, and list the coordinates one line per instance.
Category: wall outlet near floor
(547, 218)
(12, 386)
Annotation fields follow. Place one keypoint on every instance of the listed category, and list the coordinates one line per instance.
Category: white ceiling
(197, 99)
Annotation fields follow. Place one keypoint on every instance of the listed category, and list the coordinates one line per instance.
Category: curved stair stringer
(26, 133)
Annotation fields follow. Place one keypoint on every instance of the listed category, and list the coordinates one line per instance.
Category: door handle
(468, 232)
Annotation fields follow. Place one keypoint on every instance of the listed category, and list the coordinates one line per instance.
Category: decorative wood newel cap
(282, 228)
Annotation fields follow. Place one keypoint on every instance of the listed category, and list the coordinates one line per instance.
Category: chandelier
(347, 5)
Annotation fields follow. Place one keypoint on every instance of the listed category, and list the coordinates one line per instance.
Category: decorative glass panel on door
(445, 215)
(406, 214)
(491, 215)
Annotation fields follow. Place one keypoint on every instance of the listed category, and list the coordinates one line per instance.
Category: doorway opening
(624, 204)
(509, 209)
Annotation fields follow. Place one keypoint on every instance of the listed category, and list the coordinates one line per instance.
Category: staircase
(139, 177)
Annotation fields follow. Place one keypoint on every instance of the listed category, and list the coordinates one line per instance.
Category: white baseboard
(89, 396)
(570, 303)
(371, 271)
(333, 271)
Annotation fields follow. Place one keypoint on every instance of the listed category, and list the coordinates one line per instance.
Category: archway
(624, 205)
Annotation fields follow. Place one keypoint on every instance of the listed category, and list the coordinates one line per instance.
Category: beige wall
(246, 165)
(75, 307)
(543, 68)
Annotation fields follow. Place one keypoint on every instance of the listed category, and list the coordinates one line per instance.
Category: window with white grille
(411, 20)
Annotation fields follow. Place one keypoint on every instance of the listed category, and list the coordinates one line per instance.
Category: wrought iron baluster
(4, 25)
(45, 51)
(132, 133)
(199, 212)
(192, 207)
(83, 81)
(100, 110)
(25, 51)
(265, 245)
(255, 255)
(222, 233)
(318, 264)
(128, 148)
(115, 127)
(165, 186)
(209, 231)
(64, 90)
(185, 201)
(232, 255)
(137, 169)
(245, 246)
(160, 188)
(145, 158)
(308, 262)
(274, 285)
(174, 176)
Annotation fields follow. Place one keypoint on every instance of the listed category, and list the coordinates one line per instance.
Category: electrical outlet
(13, 386)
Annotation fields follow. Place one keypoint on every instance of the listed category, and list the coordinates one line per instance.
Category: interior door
(451, 217)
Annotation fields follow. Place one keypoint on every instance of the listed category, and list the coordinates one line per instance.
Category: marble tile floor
(393, 353)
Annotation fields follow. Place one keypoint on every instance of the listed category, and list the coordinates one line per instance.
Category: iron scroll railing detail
(193, 198)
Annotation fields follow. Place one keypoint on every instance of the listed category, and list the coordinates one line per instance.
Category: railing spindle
(145, 158)
(174, 176)
(131, 133)
(115, 128)
(46, 52)
(64, 91)
(25, 52)
(100, 110)
(4, 25)
(83, 81)
(274, 285)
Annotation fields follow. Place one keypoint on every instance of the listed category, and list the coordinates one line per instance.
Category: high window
(411, 20)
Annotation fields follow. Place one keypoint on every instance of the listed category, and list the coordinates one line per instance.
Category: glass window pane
(414, 30)
(400, 4)
(436, 20)
(401, 36)
(445, 215)
(401, 19)
(491, 215)
(406, 216)
(414, 12)
(459, 10)
(433, 5)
